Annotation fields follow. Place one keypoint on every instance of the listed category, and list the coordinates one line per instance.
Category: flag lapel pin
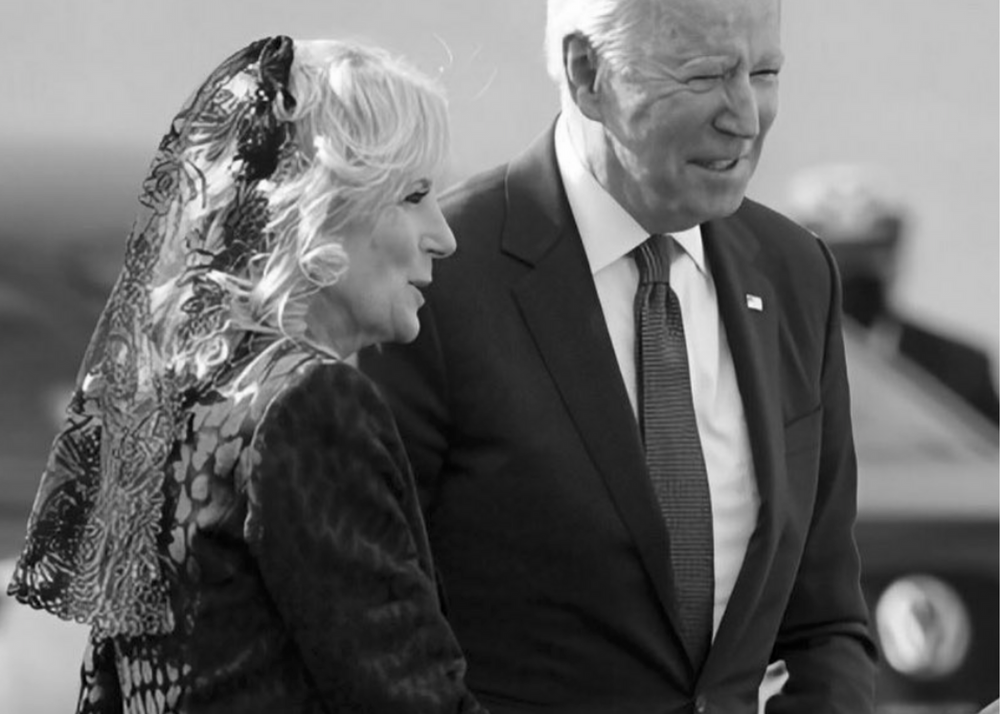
(754, 302)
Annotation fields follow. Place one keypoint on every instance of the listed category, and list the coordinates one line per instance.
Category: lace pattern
(96, 527)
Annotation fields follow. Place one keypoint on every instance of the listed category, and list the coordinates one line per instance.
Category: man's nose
(741, 114)
(438, 240)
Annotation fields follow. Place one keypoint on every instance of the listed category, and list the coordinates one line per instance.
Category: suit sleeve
(343, 551)
(824, 637)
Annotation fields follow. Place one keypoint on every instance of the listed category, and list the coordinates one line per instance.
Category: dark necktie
(673, 448)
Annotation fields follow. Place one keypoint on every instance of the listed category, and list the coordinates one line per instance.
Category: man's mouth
(719, 165)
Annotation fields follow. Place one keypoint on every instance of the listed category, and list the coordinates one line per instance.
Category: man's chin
(724, 206)
(703, 205)
(702, 214)
(733, 206)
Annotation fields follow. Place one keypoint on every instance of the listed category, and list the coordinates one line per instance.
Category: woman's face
(377, 298)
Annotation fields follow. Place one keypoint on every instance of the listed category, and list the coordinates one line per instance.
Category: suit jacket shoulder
(795, 262)
(476, 210)
(783, 242)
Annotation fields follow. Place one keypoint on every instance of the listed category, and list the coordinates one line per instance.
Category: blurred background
(886, 145)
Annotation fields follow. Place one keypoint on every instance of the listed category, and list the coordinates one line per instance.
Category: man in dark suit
(542, 403)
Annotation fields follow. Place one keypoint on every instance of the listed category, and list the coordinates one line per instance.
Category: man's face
(683, 132)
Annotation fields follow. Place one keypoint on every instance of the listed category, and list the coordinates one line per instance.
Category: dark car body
(928, 533)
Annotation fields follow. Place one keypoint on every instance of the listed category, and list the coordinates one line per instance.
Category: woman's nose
(439, 241)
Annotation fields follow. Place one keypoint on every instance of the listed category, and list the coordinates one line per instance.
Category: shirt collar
(607, 230)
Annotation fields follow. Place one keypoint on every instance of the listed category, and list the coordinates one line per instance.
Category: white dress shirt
(609, 234)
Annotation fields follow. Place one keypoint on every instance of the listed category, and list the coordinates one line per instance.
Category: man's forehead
(719, 16)
(688, 29)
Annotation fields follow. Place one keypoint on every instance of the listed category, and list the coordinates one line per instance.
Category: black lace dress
(299, 571)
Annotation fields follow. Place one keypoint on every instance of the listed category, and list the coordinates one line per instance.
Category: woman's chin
(405, 334)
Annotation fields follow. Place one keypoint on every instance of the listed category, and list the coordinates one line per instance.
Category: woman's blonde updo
(364, 125)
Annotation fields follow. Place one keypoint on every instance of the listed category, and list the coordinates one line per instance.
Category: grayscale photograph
(526, 357)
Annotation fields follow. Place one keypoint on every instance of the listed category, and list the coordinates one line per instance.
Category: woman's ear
(580, 62)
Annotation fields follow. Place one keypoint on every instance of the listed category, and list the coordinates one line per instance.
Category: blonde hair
(364, 124)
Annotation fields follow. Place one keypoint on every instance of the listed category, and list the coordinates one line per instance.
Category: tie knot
(652, 257)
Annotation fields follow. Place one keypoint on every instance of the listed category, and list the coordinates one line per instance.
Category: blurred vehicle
(855, 209)
(925, 412)
(929, 498)
(928, 533)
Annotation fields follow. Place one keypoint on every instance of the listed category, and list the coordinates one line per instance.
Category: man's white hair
(618, 30)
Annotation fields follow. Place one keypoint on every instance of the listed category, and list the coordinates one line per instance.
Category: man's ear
(580, 62)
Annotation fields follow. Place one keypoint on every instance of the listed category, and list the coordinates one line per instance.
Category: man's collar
(690, 241)
(607, 230)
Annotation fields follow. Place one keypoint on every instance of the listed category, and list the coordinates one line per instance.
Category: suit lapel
(561, 309)
(753, 340)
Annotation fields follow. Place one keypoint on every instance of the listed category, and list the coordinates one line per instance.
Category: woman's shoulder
(315, 375)
(275, 364)
(327, 421)
(286, 377)
(266, 372)
(271, 368)
(337, 398)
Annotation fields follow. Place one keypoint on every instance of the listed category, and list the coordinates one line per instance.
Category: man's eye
(416, 197)
(705, 81)
(766, 73)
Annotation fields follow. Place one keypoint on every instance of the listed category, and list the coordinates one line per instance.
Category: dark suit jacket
(541, 515)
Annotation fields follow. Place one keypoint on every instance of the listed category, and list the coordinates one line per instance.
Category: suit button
(701, 704)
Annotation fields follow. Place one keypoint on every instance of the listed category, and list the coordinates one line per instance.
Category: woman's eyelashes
(421, 188)
(417, 196)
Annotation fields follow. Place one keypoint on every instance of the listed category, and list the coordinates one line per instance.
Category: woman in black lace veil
(228, 505)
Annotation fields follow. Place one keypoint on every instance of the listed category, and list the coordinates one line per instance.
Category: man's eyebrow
(776, 57)
(714, 63)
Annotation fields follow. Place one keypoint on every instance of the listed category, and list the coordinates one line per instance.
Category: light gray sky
(88, 86)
